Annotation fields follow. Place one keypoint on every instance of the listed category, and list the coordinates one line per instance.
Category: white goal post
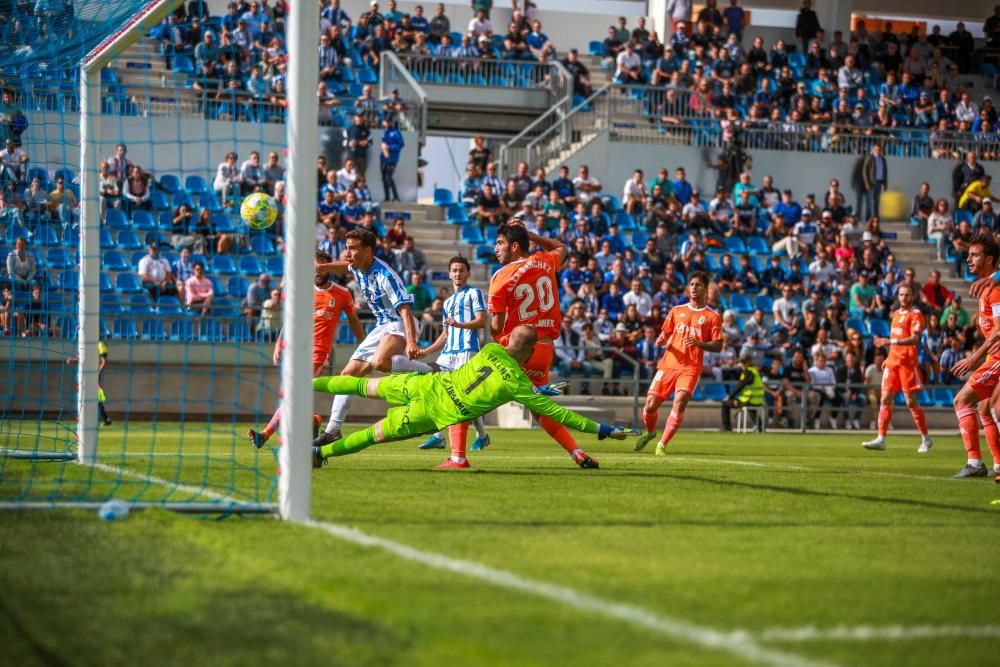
(301, 135)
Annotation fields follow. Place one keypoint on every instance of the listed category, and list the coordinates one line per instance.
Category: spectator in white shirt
(585, 185)
(849, 76)
(156, 275)
(480, 25)
(251, 174)
(638, 297)
(227, 179)
(628, 67)
(634, 194)
(823, 391)
(821, 270)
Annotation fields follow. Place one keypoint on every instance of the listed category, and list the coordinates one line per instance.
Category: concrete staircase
(912, 251)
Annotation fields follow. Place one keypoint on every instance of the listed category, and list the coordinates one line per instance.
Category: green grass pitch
(782, 537)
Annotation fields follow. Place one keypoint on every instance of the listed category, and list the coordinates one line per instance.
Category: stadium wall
(163, 144)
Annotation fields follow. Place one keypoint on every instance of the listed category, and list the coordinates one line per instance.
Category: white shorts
(451, 360)
(366, 350)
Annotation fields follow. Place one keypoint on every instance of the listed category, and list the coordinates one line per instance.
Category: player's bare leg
(674, 421)
(649, 416)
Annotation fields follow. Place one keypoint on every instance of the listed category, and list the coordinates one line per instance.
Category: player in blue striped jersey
(464, 316)
(392, 345)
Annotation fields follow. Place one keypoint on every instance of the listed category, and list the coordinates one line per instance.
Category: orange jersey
(527, 290)
(905, 324)
(989, 308)
(702, 324)
(328, 303)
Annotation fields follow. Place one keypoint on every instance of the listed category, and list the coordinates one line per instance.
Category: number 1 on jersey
(484, 372)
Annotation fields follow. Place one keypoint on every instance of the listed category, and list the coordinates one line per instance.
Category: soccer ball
(259, 211)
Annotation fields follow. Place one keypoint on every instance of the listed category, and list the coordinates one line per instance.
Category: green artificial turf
(730, 533)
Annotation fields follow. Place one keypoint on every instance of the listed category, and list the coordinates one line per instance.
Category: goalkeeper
(428, 403)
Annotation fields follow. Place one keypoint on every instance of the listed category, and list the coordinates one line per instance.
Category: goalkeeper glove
(614, 432)
(553, 388)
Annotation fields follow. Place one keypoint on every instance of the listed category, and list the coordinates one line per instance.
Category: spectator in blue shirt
(572, 277)
(563, 185)
(615, 239)
(909, 92)
(392, 146)
(735, 17)
(418, 21)
(682, 188)
(679, 40)
(350, 211)
(788, 208)
(773, 276)
(612, 301)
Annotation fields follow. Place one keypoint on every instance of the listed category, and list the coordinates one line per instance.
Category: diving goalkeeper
(428, 403)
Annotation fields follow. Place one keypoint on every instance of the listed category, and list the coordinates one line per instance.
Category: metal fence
(440, 70)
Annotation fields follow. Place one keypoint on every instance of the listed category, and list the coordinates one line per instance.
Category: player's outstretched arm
(436, 346)
(339, 267)
(406, 312)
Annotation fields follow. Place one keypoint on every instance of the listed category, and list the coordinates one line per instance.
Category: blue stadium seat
(238, 286)
(195, 184)
(443, 197)
(595, 48)
(639, 240)
(129, 240)
(275, 266)
(182, 197)
(345, 336)
(224, 265)
(107, 241)
(124, 329)
(943, 397)
(69, 326)
(69, 281)
(140, 304)
(250, 265)
(111, 305)
(741, 304)
(624, 221)
(171, 183)
(46, 235)
(734, 244)
(114, 261)
(198, 257)
(879, 327)
(184, 65)
(471, 234)
(239, 332)
(153, 329)
(765, 303)
(41, 174)
(128, 283)
(457, 215)
(900, 399)
(165, 221)
(143, 220)
(218, 287)
(115, 218)
(59, 258)
(158, 200)
(169, 305)
(225, 308)
(222, 223)
(67, 174)
(963, 215)
(210, 201)
(757, 245)
(261, 244)
(105, 284)
(715, 392)
(858, 324)
(485, 254)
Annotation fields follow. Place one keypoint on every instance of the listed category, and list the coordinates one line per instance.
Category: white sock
(401, 364)
(337, 413)
(975, 462)
(458, 459)
(480, 427)
(439, 435)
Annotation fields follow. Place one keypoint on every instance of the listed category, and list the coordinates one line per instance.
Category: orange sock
(969, 427)
(920, 419)
(992, 434)
(559, 433)
(674, 422)
(458, 434)
(649, 419)
(884, 418)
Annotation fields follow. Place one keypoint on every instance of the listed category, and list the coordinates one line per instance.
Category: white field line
(739, 644)
(877, 633)
(193, 490)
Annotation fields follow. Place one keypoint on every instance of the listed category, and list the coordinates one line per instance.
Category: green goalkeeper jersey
(485, 382)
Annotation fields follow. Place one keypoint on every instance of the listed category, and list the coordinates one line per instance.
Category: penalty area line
(739, 644)
(877, 633)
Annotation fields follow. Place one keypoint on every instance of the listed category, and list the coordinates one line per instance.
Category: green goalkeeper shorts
(411, 418)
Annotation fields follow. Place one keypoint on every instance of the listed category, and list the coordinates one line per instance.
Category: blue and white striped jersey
(384, 291)
(463, 306)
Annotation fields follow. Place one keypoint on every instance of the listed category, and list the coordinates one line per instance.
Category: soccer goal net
(139, 314)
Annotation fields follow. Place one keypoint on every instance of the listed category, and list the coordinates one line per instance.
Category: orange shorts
(538, 364)
(906, 379)
(676, 379)
(985, 379)
(319, 360)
